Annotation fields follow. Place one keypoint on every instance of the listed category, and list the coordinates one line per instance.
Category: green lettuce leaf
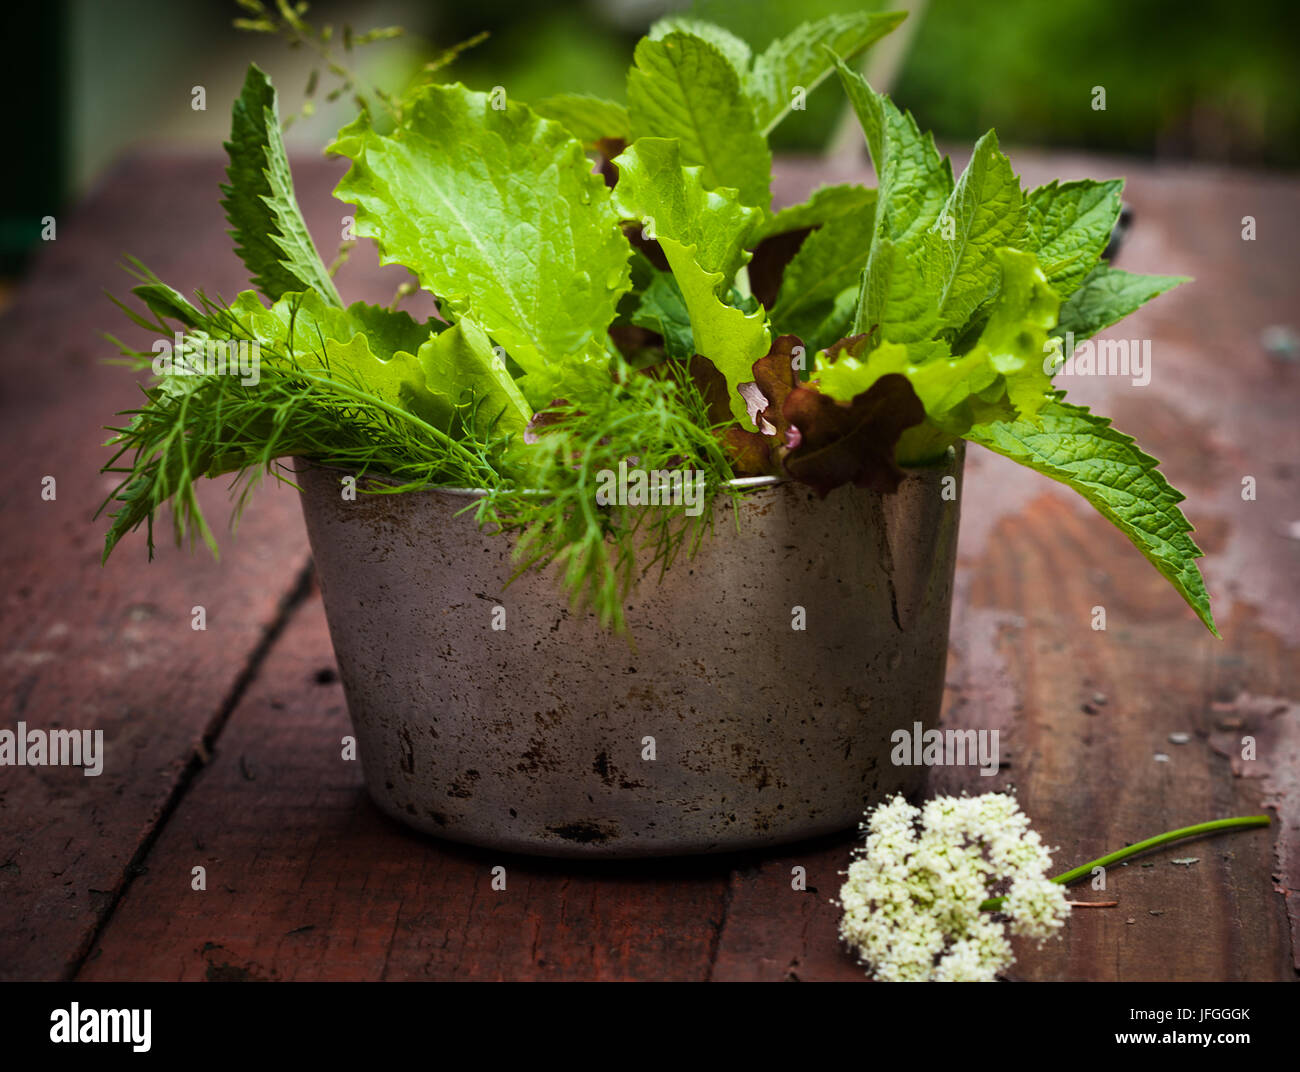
(1069, 225)
(702, 234)
(1108, 295)
(658, 189)
(805, 58)
(370, 347)
(1106, 467)
(829, 261)
(589, 119)
(683, 87)
(1001, 376)
(825, 204)
(498, 214)
(470, 385)
(266, 224)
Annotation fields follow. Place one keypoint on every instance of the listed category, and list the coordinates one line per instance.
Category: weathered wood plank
(110, 648)
(306, 879)
(1033, 564)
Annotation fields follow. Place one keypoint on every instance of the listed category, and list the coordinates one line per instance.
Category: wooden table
(223, 745)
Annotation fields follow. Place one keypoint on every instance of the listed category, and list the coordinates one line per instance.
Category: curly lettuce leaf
(1001, 376)
(684, 87)
(702, 234)
(498, 214)
(589, 119)
(270, 235)
(1081, 450)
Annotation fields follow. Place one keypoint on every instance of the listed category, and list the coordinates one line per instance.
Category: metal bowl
(538, 737)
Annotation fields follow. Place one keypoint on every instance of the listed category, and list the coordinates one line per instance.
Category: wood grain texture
(307, 880)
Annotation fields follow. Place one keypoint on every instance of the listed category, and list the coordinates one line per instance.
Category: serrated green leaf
(266, 224)
(1108, 295)
(895, 303)
(826, 203)
(662, 309)
(683, 87)
(735, 49)
(984, 212)
(589, 119)
(914, 184)
(1068, 227)
(1001, 375)
(658, 188)
(729, 337)
(805, 58)
(1106, 467)
(913, 181)
(498, 214)
(829, 260)
(702, 234)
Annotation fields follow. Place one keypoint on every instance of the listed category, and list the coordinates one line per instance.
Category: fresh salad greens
(612, 283)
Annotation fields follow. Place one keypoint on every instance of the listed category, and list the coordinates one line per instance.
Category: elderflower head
(912, 900)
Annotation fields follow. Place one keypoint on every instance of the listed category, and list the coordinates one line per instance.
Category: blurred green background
(1197, 81)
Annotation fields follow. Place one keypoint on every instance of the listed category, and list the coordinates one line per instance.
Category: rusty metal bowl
(537, 737)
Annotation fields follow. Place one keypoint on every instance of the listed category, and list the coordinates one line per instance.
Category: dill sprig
(602, 552)
(195, 426)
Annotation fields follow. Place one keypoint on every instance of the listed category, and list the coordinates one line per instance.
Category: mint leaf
(804, 59)
(589, 119)
(984, 212)
(266, 224)
(913, 186)
(1000, 376)
(829, 261)
(1106, 467)
(825, 204)
(498, 214)
(683, 87)
(736, 50)
(913, 182)
(1108, 295)
(1069, 225)
(701, 233)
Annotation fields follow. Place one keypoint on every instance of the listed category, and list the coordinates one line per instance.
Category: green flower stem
(1074, 874)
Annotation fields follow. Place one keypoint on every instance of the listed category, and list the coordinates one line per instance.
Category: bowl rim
(746, 484)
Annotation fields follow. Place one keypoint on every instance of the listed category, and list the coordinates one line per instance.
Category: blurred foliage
(1194, 79)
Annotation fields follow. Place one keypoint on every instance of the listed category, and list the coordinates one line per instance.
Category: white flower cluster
(912, 903)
